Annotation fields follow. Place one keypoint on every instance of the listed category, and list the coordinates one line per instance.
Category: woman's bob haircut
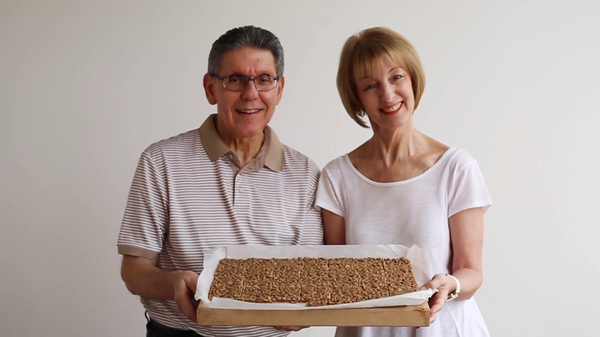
(361, 52)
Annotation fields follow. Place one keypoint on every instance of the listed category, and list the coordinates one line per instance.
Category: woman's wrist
(452, 295)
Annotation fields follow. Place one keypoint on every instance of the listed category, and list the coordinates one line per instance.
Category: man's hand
(184, 289)
(290, 328)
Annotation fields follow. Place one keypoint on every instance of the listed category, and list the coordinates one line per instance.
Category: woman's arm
(466, 235)
(334, 228)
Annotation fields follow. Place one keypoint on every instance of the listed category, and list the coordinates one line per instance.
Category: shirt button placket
(242, 197)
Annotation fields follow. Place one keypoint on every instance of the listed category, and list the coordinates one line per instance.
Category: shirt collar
(272, 149)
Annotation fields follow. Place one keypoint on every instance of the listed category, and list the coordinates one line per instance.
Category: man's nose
(250, 92)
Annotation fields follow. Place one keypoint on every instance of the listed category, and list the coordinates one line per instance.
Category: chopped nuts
(315, 281)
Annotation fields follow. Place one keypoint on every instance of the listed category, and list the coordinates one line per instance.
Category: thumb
(435, 283)
(191, 281)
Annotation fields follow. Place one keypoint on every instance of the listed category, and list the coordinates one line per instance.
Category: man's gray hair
(247, 36)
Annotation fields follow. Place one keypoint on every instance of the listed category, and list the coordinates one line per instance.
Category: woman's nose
(387, 93)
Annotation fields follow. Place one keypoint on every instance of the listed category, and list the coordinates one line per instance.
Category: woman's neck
(392, 146)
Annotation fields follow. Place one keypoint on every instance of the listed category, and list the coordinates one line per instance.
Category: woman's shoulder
(448, 153)
(336, 164)
(460, 155)
(456, 158)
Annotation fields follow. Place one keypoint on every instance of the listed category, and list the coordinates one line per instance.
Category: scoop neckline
(400, 182)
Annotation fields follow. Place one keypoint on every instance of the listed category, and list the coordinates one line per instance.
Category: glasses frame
(248, 79)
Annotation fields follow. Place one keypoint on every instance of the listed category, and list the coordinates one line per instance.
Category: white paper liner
(212, 257)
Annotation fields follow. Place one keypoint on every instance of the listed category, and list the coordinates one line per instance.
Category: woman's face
(387, 95)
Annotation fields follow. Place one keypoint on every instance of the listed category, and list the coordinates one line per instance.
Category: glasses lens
(265, 82)
(235, 82)
(239, 83)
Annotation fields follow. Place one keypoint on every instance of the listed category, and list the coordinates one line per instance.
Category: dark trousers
(155, 329)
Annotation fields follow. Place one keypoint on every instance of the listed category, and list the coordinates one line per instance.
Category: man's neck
(245, 148)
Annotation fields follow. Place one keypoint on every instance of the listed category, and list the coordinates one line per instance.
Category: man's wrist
(173, 277)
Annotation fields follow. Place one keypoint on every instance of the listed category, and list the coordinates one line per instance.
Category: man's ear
(280, 88)
(209, 89)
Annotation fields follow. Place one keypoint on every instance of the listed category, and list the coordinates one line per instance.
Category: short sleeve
(468, 189)
(329, 190)
(146, 215)
(313, 229)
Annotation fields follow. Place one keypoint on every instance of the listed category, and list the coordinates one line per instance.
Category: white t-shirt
(412, 211)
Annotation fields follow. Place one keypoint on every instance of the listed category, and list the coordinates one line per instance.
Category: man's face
(245, 113)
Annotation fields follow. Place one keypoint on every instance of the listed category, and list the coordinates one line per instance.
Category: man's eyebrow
(235, 73)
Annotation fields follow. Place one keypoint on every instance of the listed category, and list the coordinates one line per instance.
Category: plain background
(85, 86)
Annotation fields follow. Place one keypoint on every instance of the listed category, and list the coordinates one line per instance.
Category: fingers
(436, 303)
(185, 303)
(296, 328)
(437, 282)
(184, 289)
(438, 300)
(191, 281)
(187, 309)
(290, 328)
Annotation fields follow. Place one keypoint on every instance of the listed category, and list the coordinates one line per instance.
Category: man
(229, 182)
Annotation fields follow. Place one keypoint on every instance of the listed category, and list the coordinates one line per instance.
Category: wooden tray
(412, 316)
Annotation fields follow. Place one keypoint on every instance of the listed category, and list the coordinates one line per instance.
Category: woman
(403, 187)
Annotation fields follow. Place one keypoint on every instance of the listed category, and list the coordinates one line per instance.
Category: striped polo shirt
(189, 194)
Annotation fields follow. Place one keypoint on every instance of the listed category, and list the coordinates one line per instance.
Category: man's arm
(142, 277)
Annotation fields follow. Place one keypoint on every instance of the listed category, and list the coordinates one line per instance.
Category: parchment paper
(212, 257)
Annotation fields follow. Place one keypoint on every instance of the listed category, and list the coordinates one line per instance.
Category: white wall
(85, 86)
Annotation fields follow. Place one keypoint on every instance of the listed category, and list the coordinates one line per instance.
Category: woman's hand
(445, 285)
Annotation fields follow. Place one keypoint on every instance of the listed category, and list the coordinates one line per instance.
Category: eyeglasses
(239, 82)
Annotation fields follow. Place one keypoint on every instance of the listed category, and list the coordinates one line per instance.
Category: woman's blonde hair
(359, 54)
